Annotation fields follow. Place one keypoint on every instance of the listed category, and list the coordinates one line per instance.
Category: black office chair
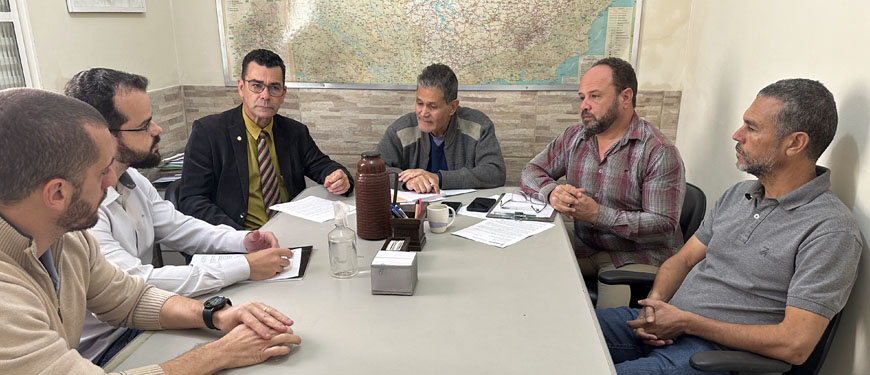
(745, 363)
(172, 194)
(694, 208)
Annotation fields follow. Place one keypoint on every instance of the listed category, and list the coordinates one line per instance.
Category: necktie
(268, 180)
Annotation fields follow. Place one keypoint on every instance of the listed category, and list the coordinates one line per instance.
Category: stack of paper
(428, 197)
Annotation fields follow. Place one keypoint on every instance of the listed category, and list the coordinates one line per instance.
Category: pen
(398, 212)
(418, 211)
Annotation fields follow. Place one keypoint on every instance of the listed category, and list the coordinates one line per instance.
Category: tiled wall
(345, 123)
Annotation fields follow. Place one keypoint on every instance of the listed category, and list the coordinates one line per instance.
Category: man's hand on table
(267, 263)
(420, 181)
(265, 320)
(337, 182)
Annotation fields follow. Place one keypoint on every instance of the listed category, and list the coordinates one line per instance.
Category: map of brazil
(388, 42)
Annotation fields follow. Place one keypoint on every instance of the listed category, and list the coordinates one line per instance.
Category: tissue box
(394, 272)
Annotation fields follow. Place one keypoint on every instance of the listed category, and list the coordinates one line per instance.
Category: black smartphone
(454, 205)
(481, 204)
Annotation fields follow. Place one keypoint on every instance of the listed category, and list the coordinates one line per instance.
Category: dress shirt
(132, 218)
(257, 216)
(638, 184)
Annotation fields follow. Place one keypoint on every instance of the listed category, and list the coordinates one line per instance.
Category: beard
(600, 125)
(79, 215)
(136, 159)
(758, 167)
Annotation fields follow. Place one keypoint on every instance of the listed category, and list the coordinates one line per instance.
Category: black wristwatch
(210, 306)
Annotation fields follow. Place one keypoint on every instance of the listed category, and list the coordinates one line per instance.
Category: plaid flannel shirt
(639, 186)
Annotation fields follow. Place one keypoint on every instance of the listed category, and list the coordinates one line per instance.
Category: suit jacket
(215, 172)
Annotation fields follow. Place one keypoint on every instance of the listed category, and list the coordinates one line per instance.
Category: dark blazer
(215, 173)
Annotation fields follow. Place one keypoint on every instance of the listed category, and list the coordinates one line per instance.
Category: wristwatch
(210, 306)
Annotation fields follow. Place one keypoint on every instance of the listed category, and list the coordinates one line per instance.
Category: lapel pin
(239, 138)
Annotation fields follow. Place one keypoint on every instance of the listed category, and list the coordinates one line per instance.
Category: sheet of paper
(429, 197)
(289, 272)
(480, 215)
(501, 232)
(311, 208)
(511, 203)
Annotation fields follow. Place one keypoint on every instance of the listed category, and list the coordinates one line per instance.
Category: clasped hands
(574, 202)
(420, 180)
(255, 332)
(658, 323)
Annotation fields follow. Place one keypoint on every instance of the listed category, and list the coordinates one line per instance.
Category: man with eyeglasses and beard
(133, 217)
(625, 181)
(240, 162)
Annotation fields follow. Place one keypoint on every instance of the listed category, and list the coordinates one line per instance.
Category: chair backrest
(172, 191)
(694, 208)
(814, 362)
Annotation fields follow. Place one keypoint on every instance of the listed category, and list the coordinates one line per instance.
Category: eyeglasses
(518, 197)
(256, 87)
(145, 128)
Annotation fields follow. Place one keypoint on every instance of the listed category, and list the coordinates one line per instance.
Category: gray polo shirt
(764, 254)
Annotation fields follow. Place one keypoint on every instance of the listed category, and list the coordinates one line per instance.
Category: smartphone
(481, 204)
(454, 205)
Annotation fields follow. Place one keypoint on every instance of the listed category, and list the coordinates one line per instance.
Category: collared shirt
(257, 216)
(639, 185)
(763, 254)
(132, 218)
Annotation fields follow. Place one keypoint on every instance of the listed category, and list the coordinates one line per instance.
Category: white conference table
(477, 309)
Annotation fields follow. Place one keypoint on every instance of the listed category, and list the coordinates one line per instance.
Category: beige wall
(737, 47)
(65, 43)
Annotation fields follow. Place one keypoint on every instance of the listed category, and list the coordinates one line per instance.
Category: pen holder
(412, 227)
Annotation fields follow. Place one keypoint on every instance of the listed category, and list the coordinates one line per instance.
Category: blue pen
(398, 211)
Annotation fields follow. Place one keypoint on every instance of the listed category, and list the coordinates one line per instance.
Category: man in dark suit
(240, 162)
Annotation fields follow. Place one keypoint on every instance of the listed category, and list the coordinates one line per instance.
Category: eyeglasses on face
(256, 87)
(144, 128)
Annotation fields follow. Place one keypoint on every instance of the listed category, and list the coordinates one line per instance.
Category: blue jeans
(631, 356)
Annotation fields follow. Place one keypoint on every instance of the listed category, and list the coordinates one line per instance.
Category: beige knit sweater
(40, 328)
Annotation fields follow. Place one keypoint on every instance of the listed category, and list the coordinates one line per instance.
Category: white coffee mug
(439, 217)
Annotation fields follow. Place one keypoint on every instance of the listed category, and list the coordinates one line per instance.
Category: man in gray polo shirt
(769, 267)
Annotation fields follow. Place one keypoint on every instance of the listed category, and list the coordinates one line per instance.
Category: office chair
(171, 194)
(745, 363)
(172, 191)
(694, 208)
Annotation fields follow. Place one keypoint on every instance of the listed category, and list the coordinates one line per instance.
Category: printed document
(503, 233)
(311, 208)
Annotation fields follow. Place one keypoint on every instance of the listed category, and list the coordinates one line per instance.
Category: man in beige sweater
(56, 157)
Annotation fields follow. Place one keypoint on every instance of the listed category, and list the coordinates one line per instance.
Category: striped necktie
(268, 180)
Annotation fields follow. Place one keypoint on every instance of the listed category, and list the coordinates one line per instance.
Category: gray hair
(807, 106)
(42, 137)
(441, 77)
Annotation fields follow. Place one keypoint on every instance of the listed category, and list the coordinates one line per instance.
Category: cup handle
(452, 218)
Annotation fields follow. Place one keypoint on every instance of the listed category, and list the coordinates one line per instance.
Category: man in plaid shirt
(625, 181)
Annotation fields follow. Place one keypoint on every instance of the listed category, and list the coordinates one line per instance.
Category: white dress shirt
(132, 218)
